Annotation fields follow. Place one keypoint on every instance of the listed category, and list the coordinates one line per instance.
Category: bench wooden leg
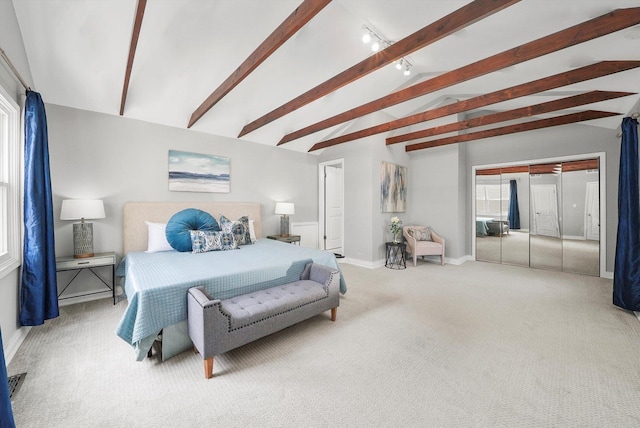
(334, 313)
(208, 368)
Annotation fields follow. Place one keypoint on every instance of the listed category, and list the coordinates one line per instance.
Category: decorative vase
(396, 238)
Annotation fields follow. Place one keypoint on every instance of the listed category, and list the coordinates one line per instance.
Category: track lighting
(407, 70)
(379, 42)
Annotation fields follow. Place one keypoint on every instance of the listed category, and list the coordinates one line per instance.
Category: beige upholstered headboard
(136, 213)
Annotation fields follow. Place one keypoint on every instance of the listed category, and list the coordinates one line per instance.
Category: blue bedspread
(482, 229)
(156, 284)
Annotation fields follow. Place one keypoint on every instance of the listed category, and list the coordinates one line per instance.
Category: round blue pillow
(181, 224)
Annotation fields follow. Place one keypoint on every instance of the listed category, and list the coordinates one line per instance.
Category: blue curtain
(514, 209)
(39, 289)
(626, 275)
(6, 414)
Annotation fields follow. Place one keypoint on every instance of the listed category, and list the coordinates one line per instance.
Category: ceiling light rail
(380, 42)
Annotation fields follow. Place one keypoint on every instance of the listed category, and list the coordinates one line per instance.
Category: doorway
(331, 206)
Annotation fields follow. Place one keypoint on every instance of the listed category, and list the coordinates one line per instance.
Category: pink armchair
(417, 247)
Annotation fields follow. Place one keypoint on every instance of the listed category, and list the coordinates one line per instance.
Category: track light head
(399, 64)
(366, 38)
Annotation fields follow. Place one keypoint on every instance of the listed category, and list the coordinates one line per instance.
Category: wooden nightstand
(292, 239)
(99, 260)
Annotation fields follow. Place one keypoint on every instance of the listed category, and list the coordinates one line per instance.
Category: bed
(490, 226)
(156, 284)
(482, 225)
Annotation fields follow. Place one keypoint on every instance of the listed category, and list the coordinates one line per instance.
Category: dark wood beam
(582, 74)
(490, 171)
(443, 27)
(536, 109)
(545, 168)
(594, 28)
(579, 165)
(137, 24)
(512, 129)
(303, 14)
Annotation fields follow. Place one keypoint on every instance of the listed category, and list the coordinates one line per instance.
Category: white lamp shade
(285, 208)
(76, 209)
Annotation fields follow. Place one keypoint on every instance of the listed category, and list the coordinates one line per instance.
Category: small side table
(291, 239)
(99, 260)
(396, 255)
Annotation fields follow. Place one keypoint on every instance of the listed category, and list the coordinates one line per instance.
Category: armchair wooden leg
(208, 368)
(334, 314)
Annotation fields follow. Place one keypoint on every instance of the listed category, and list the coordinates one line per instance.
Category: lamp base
(284, 225)
(82, 240)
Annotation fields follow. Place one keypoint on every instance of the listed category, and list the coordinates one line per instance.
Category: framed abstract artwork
(393, 188)
(195, 172)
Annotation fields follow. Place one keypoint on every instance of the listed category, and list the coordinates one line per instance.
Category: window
(10, 161)
(492, 200)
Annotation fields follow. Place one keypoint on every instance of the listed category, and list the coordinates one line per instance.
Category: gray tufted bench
(217, 326)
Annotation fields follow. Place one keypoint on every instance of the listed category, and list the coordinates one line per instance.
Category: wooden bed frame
(136, 213)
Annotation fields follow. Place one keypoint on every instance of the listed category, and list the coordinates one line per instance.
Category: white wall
(437, 194)
(366, 228)
(94, 155)
(11, 43)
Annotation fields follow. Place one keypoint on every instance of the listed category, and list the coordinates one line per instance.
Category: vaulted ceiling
(296, 73)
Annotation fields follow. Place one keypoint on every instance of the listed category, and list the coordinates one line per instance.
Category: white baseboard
(379, 263)
(457, 261)
(607, 274)
(362, 263)
(12, 346)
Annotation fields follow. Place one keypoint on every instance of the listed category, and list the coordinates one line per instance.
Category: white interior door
(544, 205)
(592, 211)
(333, 207)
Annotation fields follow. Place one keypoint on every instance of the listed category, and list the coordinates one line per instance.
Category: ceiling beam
(461, 18)
(303, 14)
(588, 72)
(568, 166)
(533, 110)
(588, 30)
(137, 24)
(512, 129)
(582, 74)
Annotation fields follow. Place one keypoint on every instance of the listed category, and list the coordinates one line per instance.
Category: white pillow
(157, 238)
(252, 231)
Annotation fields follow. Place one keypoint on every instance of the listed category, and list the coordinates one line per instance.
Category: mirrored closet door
(540, 215)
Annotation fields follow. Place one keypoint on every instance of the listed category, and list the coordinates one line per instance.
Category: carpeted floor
(475, 345)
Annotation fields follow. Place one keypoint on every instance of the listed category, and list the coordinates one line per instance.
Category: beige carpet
(476, 345)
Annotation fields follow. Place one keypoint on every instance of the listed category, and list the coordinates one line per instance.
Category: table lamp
(286, 209)
(82, 209)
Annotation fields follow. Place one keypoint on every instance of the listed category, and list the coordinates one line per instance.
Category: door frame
(601, 156)
(321, 201)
